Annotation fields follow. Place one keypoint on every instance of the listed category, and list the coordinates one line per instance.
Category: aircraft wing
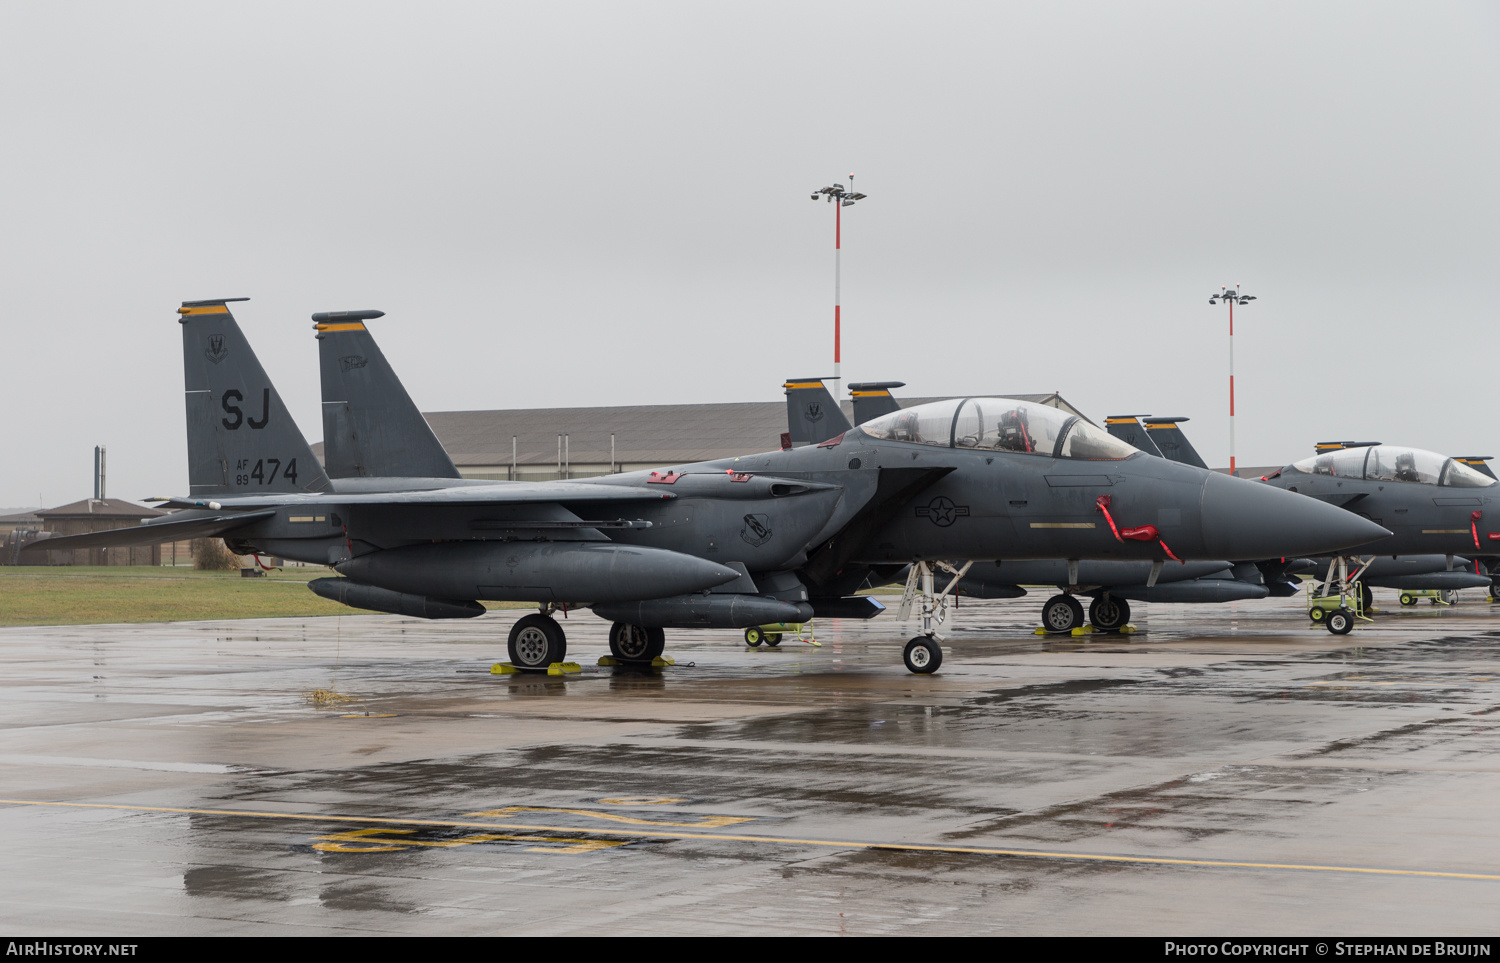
(235, 512)
(500, 493)
(169, 531)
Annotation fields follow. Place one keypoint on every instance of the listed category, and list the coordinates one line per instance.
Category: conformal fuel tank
(537, 571)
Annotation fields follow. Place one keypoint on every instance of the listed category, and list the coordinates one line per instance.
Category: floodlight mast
(1231, 297)
(843, 198)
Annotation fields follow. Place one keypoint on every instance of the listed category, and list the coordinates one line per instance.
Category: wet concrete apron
(1229, 770)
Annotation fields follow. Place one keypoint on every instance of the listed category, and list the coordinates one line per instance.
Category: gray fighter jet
(1434, 505)
(1108, 586)
(778, 536)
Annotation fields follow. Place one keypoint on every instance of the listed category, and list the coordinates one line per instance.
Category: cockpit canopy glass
(1395, 464)
(999, 424)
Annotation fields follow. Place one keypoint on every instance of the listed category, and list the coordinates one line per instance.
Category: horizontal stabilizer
(172, 531)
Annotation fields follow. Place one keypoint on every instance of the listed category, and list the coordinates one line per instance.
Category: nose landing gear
(922, 654)
(1339, 600)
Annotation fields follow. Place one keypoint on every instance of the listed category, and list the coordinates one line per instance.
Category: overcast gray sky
(607, 203)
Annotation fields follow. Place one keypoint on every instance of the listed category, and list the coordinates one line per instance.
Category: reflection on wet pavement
(1226, 769)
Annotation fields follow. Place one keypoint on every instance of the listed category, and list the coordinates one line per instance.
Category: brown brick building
(99, 515)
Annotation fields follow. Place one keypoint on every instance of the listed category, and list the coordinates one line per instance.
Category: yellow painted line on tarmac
(772, 840)
(707, 822)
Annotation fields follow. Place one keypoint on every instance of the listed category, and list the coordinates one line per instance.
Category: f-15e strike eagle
(1442, 511)
(779, 536)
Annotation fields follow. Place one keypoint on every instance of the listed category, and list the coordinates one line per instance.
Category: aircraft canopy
(999, 424)
(1397, 464)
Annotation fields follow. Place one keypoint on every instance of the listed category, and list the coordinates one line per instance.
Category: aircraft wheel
(1109, 613)
(636, 643)
(754, 636)
(1316, 614)
(1495, 589)
(1062, 613)
(1407, 600)
(923, 655)
(1340, 621)
(773, 639)
(1366, 596)
(536, 641)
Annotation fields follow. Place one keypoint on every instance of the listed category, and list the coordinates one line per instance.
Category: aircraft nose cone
(1245, 520)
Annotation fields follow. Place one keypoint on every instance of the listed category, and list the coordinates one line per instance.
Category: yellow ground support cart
(771, 633)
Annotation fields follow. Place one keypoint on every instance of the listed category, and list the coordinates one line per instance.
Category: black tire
(636, 643)
(1062, 613)
(1316, 614)
(1495, 589)
(754, 636)
(1109, 613)
(1407, 600)
(773, 639)
(1451, 596)
(922, 655)
(1340, 621)
(536, 641)
(1366, 597)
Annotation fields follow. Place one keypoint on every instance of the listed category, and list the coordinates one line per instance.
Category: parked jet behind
(1433, 504)
(778, 536)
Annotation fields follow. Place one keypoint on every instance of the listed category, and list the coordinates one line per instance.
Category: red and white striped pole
(1231, 296)
(838, 245)
(840, 198)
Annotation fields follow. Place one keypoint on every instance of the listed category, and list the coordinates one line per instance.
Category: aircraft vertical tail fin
(371, 427)
(241, 438)
(1172, 443)
(1477, 462)
(1128, 429)
(811, 413)
(873, 399)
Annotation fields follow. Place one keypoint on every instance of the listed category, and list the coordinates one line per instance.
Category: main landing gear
(1064, 613)
(1108, 613)
(536, 642)
(636, 643)
(922, 654)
